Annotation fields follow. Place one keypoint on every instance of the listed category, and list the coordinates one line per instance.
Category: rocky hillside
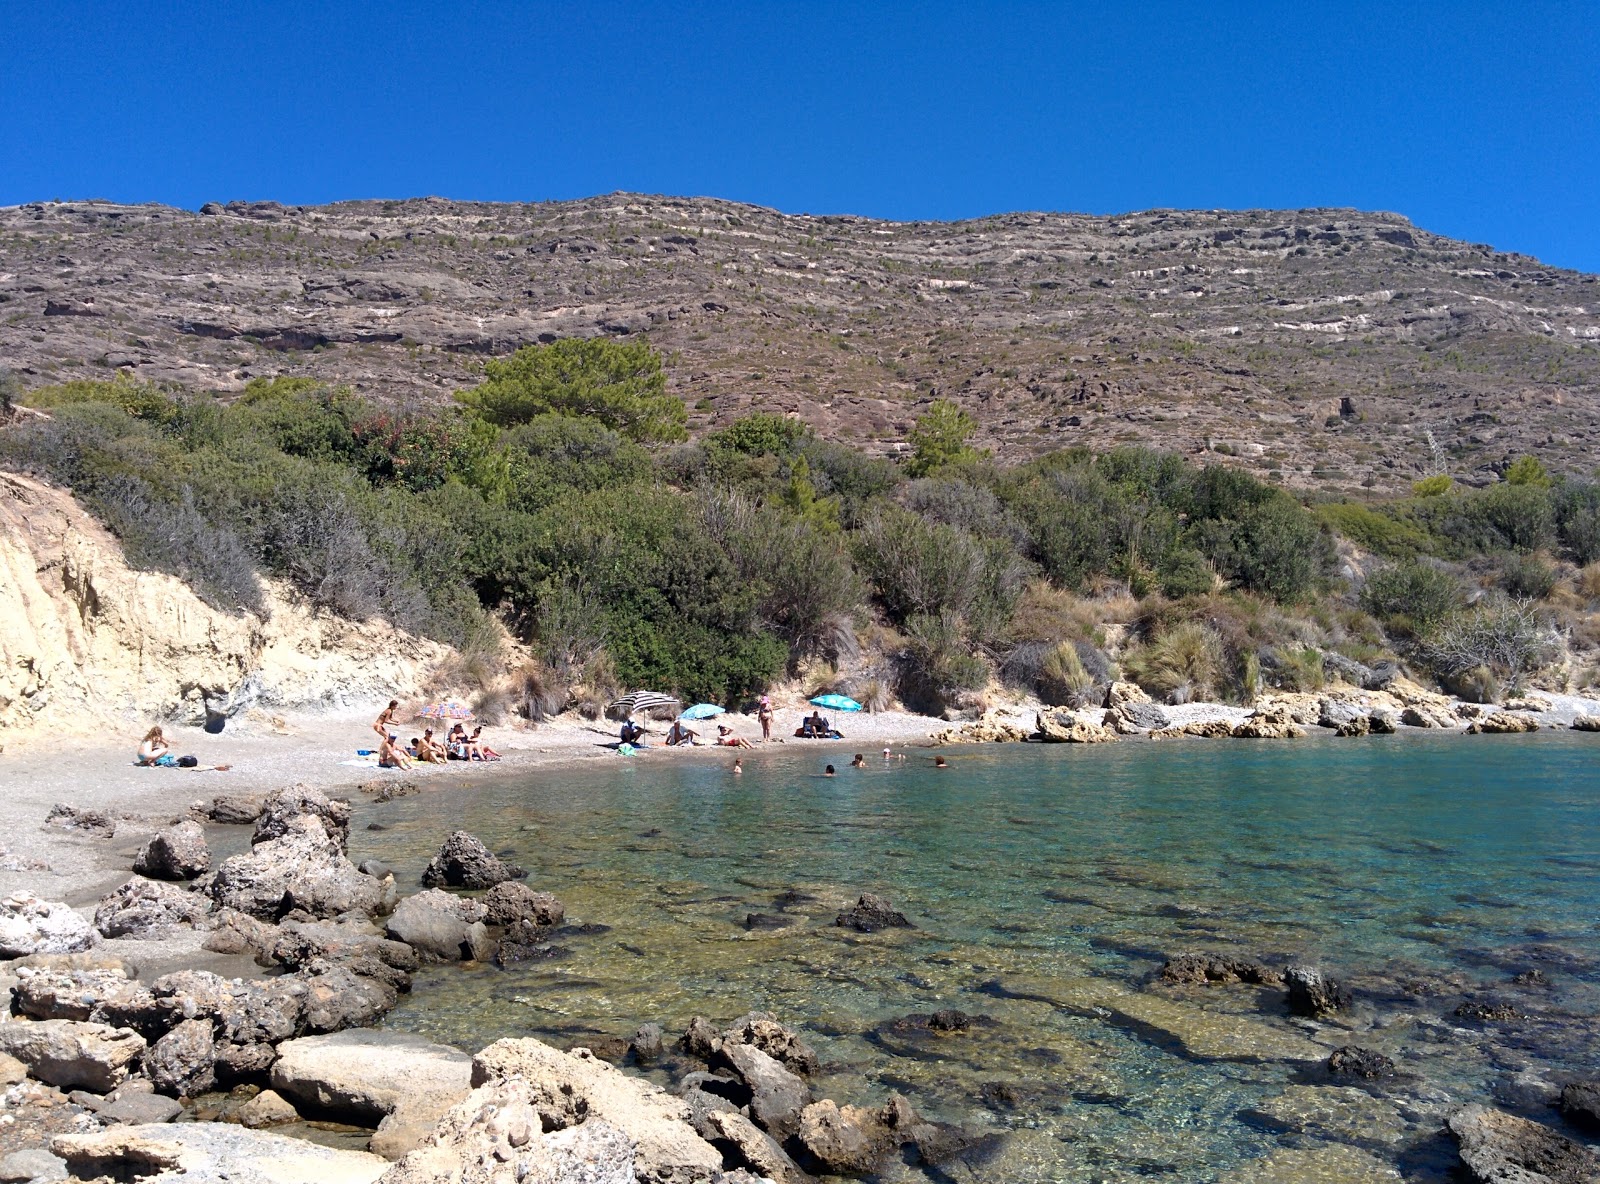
(1320, 347)
(87, 643)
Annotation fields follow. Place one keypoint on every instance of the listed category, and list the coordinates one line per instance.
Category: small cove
(1047, 884)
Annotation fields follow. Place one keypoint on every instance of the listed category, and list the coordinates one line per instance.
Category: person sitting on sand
(153, 750)
(859, 763)
(475, 744)
(385, 721)
(678, 734)
(726, 738)
(391, 756)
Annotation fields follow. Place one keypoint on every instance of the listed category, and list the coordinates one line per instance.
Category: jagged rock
(210, 1152)
(403, 1082)
(29, 925)
(871, 913)
(1502, 723)
(1062, 727)
(1580, 1102)
(33, 1166)
(1586, 723)
(178, 853)
(1311, 993)
(1269, 725)
(1422, 715)
(90, 822)
(1498, 1148)
(233, 809)
(281, 808)
(496, 1137)
(148, 910)
(509, 902)
(441, 927)
(268, 1108)
(183, 1063)
(777, 1095)
(464, 862)
(761, 1030)
(567, 1088)
(304, 869)
(73, 1055)
(647, 1044)
(755, 1148)
(1350, 1061)
(845, 1139)
(1218, 968)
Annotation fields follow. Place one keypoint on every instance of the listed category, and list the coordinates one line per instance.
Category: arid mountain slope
(1322, 347)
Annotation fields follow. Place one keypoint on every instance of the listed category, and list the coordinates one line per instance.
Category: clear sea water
(1047, 884)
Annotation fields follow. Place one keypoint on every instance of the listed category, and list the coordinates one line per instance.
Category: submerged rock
(464, 862)
(871, 913)
(1499, 1148)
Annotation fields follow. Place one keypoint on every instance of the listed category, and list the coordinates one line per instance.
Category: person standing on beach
(764, 714)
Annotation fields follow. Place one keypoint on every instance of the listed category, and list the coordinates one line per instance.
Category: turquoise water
(1046, 884)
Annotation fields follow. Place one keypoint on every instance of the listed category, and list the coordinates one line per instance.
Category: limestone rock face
(1499, 1148)
(148, 910)
(29, 925)
(304, 869)
(565, 1089)
(1499, 723)
(71, 1054)
(210, 1152)
(178, 853)
(83, 637)
(464, 862)
(1062, 727)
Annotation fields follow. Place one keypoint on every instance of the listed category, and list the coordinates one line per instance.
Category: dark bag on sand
(188, 762)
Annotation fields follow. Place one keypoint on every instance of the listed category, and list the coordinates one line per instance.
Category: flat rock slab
(207, 1152)
(366, 1074)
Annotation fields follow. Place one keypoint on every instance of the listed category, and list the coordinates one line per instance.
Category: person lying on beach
(385, 721)
(678, 734)
(391, 756)
(726, 738)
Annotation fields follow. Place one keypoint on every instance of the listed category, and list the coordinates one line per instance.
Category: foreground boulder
(71, 1054)
(464, 862)
(498, 1136)
(177, 853)
(148, 910)
(441, 927)
(1499, 1148)
(401, 1082)
(568, 1089)
(29, 925)
(304, 870)
(871, 913)
(209, 1152)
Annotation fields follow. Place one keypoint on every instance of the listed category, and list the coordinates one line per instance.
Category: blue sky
(1476, 120)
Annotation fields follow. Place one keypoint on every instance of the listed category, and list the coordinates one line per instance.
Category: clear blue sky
(1476, 120)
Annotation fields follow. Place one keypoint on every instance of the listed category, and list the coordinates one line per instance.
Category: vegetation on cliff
(560, 494)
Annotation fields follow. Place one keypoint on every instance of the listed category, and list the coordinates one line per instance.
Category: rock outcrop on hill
(84, 638)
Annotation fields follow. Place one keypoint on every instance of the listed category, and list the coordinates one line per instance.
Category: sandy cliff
(85, 640)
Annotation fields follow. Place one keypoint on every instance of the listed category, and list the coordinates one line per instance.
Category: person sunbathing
(726, 738)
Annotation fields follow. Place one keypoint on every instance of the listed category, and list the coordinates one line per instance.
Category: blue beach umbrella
(836, 703)
(701, 711)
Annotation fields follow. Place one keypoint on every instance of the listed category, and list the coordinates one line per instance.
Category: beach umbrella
(836, 703)
(701, 711)
(641, 701)
(447, 709)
